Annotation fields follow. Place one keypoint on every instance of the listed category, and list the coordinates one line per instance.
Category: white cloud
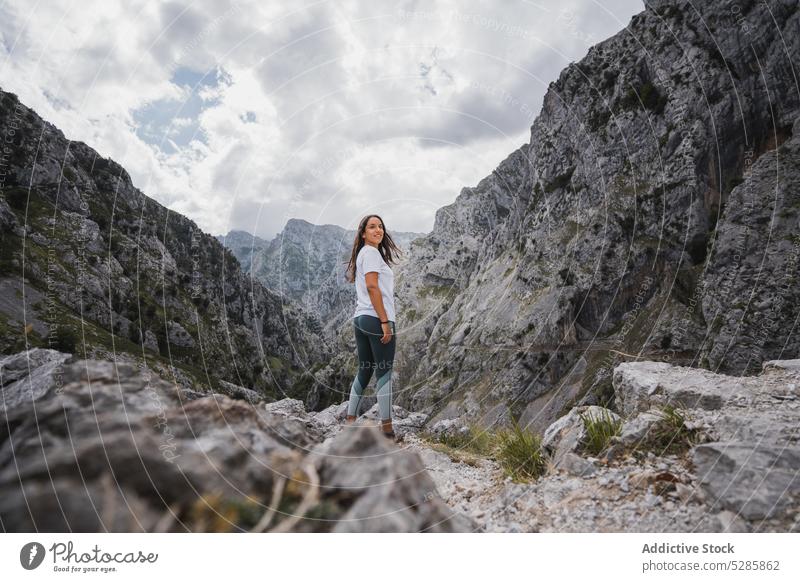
(322, 112)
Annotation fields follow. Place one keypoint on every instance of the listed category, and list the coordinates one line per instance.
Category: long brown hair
(386, 247)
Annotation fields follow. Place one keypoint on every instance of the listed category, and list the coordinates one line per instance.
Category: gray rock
(385, 489)
(286, 407)
(403, 421)
(8, 219)
(114, 420)
(331, 418)
(449, 427)
(635, 430)
(179, 336)
(150, 341)
(640, 386)
(788, 365)
(116, 430)
(754, 480)
(651, 500)
(97, 506)
(567, 434)
(573, 464)
(27, 376)
(240, 392)
(729, 522)
(749, 322)
(291, 425)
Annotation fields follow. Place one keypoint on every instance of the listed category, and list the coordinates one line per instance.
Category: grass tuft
(466, 447)
(670, 435)
(477, 441)
(518, 451)
(599, 430)
(520, 454)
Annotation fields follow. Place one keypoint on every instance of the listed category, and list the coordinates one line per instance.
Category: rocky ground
(94, 446)
(742, 474)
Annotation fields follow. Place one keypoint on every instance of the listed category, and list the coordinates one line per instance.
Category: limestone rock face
(639, 386)
(751, 465)
(657, 193)
(756, 480)
(750, 289)
(27, 376)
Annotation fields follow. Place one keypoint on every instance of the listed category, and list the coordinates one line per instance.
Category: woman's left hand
(387, 333)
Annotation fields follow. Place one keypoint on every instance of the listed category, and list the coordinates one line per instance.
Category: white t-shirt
(369, 260)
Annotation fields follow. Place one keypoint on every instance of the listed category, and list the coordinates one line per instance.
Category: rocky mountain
(652, 214)
(244, 246)
(306, 262)
(90, 265)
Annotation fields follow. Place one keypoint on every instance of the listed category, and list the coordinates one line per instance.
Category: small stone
(685, 493)
(731, 523)
(576, 465)
(651, 500)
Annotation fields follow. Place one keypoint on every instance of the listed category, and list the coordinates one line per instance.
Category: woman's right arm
(377, 303)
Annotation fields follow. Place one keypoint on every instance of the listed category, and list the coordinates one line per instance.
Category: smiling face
(373, 232)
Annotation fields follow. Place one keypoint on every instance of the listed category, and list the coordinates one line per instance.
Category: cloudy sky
(244, 114)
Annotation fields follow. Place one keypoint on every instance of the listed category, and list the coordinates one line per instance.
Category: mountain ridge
(609, 229)
(113, 271)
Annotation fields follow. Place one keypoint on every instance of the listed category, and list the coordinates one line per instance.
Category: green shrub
(599, 430)
(560, 181)
(519, 452)
(647, 95)
(10, 250)
(652, 98)
(17, 198)
(65, 340)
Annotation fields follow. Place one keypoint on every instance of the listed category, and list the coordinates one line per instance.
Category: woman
(374, 318)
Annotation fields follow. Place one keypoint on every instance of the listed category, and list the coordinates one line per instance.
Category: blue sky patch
(170, 124)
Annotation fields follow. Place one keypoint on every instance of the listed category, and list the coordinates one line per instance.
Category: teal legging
(373, 356)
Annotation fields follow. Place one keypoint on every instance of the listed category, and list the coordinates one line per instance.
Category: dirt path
(471, 487)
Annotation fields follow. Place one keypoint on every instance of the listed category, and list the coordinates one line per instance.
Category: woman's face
(373, 233)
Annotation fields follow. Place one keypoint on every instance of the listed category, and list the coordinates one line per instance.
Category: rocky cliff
(92, 266)
(653, 213)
